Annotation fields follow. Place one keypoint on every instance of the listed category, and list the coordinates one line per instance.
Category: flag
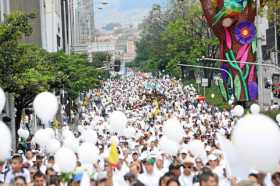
(113, 158)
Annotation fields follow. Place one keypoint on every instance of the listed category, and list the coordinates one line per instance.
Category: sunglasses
(188, 166)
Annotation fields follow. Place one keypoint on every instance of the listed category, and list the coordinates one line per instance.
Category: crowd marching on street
(144, 155)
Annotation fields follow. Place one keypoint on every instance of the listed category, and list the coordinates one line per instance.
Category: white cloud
(133, 16)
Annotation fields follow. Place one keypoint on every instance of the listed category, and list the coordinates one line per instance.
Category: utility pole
(11, 106)
(259, 58)
(275, 38)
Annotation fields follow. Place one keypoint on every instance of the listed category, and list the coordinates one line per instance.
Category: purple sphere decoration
(224, 75)
(253, 90)
(245, 32)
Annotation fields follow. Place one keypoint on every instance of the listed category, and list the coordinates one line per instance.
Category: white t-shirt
(186, 180)
(149, 180)
(11, 175)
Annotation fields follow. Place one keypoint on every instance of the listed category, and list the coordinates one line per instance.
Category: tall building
(84, 21)
(51, 27)
(67, 14)
(4, 9)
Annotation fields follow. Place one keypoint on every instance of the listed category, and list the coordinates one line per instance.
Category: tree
(149, 48)
(179, 35)
(31, 75)
(73, 73)
(26, 70)
(188, 39)
(100, 58)
(15, 25)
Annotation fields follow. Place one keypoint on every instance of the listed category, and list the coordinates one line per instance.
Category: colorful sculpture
(232, 21)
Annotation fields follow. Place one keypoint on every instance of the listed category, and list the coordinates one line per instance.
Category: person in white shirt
(17, 170)
(159, 166)
(186, 179)
(150, 177)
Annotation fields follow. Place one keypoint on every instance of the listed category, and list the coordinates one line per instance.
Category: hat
(212, 157)
(217, 152)
(151, 161)
(188, 159)
(184, 151)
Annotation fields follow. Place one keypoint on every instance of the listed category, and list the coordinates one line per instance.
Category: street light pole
(259, 57)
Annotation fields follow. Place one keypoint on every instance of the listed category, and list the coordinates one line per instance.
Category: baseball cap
(212, 157)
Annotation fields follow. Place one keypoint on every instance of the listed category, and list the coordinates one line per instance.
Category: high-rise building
(51, 27)
(67, 14)
(4, 9)
(84, 21)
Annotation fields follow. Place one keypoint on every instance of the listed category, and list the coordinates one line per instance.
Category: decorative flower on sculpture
(245, 32)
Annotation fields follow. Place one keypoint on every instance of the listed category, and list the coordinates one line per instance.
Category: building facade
(52, 24)
(84, 21)
(4, 9)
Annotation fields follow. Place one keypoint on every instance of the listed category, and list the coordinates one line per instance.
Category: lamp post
(213, 68)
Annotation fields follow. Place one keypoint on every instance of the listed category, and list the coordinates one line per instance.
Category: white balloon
(90, 136)
(278, 118)
(53, 146)
(255, 109)
(173, 130)
(238, 110)
(2, 99)
(71, 143)
(45, 106)
(50, 132)
(23, 133)
(65, 159)
(197, 148)
(6, 141)
(88, 153)
(67, 134)
(236, 166)
(42, 137)
(118, 122)
(168, 146)
(256, 138)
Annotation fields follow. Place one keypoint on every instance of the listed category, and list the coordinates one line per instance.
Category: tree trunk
(18, 121)
(230, 46)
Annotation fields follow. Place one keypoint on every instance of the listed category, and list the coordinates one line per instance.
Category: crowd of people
(147, 103)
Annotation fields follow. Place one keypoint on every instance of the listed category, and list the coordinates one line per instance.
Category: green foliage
(273, 11)
(73, 72)
(272, 113)
(168, 39)
(26, 70)
(99, 59)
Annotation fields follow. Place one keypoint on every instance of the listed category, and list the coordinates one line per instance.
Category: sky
(123, 11)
